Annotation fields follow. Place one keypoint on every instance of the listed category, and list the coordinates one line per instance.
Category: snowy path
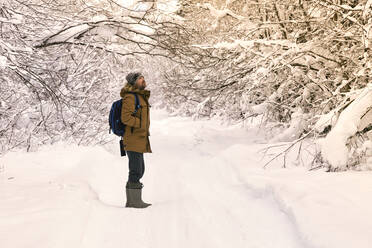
(207, 188)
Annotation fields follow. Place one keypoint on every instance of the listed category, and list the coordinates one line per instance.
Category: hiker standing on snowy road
(136, 137)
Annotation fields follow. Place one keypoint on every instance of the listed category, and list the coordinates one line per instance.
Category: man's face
(141, 83)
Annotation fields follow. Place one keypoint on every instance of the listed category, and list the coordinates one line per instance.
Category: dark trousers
(136, 166)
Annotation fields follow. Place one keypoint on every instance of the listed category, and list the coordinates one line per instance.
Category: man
(136, 137)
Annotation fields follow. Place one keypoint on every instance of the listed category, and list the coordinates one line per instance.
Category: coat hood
(128, 88)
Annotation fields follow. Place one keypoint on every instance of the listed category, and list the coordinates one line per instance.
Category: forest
(301, 69)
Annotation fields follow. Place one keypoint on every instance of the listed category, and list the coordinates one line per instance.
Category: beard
(140, 87)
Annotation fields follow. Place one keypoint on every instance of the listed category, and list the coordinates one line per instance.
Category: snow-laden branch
(334, 146)
(218, 14)
(367, 11)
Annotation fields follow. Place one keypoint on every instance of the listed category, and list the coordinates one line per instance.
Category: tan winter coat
(136, 137)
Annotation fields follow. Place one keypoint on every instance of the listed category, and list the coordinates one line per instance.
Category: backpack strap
(136, 102)
(136, 106)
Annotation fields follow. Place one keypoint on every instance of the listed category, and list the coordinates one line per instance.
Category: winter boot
(134, 198)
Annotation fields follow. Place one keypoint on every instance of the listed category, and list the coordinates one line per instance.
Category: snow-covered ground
(207, 187)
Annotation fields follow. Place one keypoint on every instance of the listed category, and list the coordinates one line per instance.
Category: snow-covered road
(207, 187)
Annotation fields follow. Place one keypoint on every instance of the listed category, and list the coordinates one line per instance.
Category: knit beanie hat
(132, 77)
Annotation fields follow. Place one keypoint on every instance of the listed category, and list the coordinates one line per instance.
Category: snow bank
(297, 125)
(333, 147)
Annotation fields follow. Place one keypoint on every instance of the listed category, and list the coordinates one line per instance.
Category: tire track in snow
(213, 198)
(269, 195)
(213, 195)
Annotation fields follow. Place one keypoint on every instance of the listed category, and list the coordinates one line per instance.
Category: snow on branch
(67, 34)
(334, 146)
(218, 14)
(367, 9)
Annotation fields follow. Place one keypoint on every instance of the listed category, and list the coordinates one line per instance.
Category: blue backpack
(116, 126)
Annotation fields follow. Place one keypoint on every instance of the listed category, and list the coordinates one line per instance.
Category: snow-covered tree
(296, 63)
(63, 63)
(300, 65)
